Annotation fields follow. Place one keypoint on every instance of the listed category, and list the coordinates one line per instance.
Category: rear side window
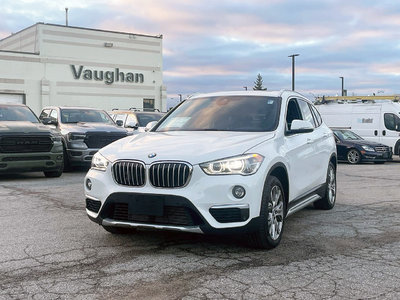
(317, 116)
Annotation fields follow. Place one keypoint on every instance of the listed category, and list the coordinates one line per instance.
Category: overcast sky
(223, 45)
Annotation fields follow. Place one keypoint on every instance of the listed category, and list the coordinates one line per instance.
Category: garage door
(12, 98)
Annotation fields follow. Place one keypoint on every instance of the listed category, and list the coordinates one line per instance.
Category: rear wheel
(119, 230)
(272, 215)
(329, 199)
(353, 156)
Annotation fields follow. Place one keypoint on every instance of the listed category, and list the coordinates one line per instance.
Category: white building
(48, 64)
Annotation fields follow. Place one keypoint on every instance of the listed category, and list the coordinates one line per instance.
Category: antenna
(66, 16)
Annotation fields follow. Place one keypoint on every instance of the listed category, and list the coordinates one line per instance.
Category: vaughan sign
(109, 77)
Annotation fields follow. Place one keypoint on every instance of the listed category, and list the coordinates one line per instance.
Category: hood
(191, 146)
(23, 127)
(85, 127)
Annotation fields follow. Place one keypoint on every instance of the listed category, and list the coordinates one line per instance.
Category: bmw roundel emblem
(151, 155)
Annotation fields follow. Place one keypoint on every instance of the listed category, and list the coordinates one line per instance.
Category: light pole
(293, 56)
(341, 77)
(180, 97)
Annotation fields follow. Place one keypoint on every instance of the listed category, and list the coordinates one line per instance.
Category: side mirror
(49, 121)
(300, 126)
(119, 122)
(150, 125)
(132, 124)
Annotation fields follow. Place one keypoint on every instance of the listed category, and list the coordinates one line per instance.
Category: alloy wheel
(275, 212)
(331, 185)
(353, 156)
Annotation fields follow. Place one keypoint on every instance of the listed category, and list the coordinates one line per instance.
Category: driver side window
(293, 113)
(54, 115)
(392, 122)
(131, 119)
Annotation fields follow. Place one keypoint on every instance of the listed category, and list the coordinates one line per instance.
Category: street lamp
(341, 77)
(245, 87)
(292, 56)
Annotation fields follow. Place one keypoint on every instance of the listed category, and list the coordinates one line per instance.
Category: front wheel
(67, 164)
(329, 199)
(272, 215)
(353, 156)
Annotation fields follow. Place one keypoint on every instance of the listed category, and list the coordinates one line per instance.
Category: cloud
(222, 45)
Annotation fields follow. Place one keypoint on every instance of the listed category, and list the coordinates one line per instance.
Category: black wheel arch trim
(285, 184)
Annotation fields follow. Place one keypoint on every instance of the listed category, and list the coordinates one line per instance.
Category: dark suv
(354, 149)
(26, 145)
(135, 119)
(84, 131)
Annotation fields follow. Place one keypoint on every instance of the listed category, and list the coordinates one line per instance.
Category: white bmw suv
(229, 162)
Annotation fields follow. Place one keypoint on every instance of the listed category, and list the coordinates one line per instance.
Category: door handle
(310, 141)
(376, 132)
(384, 132)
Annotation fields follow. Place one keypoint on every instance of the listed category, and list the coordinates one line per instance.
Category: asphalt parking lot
(50, 250)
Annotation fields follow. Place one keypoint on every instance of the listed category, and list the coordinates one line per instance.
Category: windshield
(347, 135)
(224, 113)
(84, 115)
(145, 118)
(17, 113)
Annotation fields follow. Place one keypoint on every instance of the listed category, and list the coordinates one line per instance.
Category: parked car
(231, 162)
(26, 145)
(84, 131)
(134, 119)
(354, 149)
(375, 121)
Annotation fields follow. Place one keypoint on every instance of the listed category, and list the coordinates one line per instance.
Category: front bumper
(205, 204)
(81, 156)
(30, 162)
(367, 156)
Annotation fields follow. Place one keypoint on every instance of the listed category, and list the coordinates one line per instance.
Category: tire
(118, 230)
(353, 156)
(67, 164)
(57, 173)
(272, 216)
(329, 199)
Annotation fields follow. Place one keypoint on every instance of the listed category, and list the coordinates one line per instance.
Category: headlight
(99, 162)
(56, 139)
(243, 165)
(368, 148)
(76, 136)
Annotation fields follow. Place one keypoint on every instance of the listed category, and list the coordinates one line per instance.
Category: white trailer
(376, 121)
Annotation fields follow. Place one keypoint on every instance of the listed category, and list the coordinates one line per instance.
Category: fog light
(238, 191)
(88, 184)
